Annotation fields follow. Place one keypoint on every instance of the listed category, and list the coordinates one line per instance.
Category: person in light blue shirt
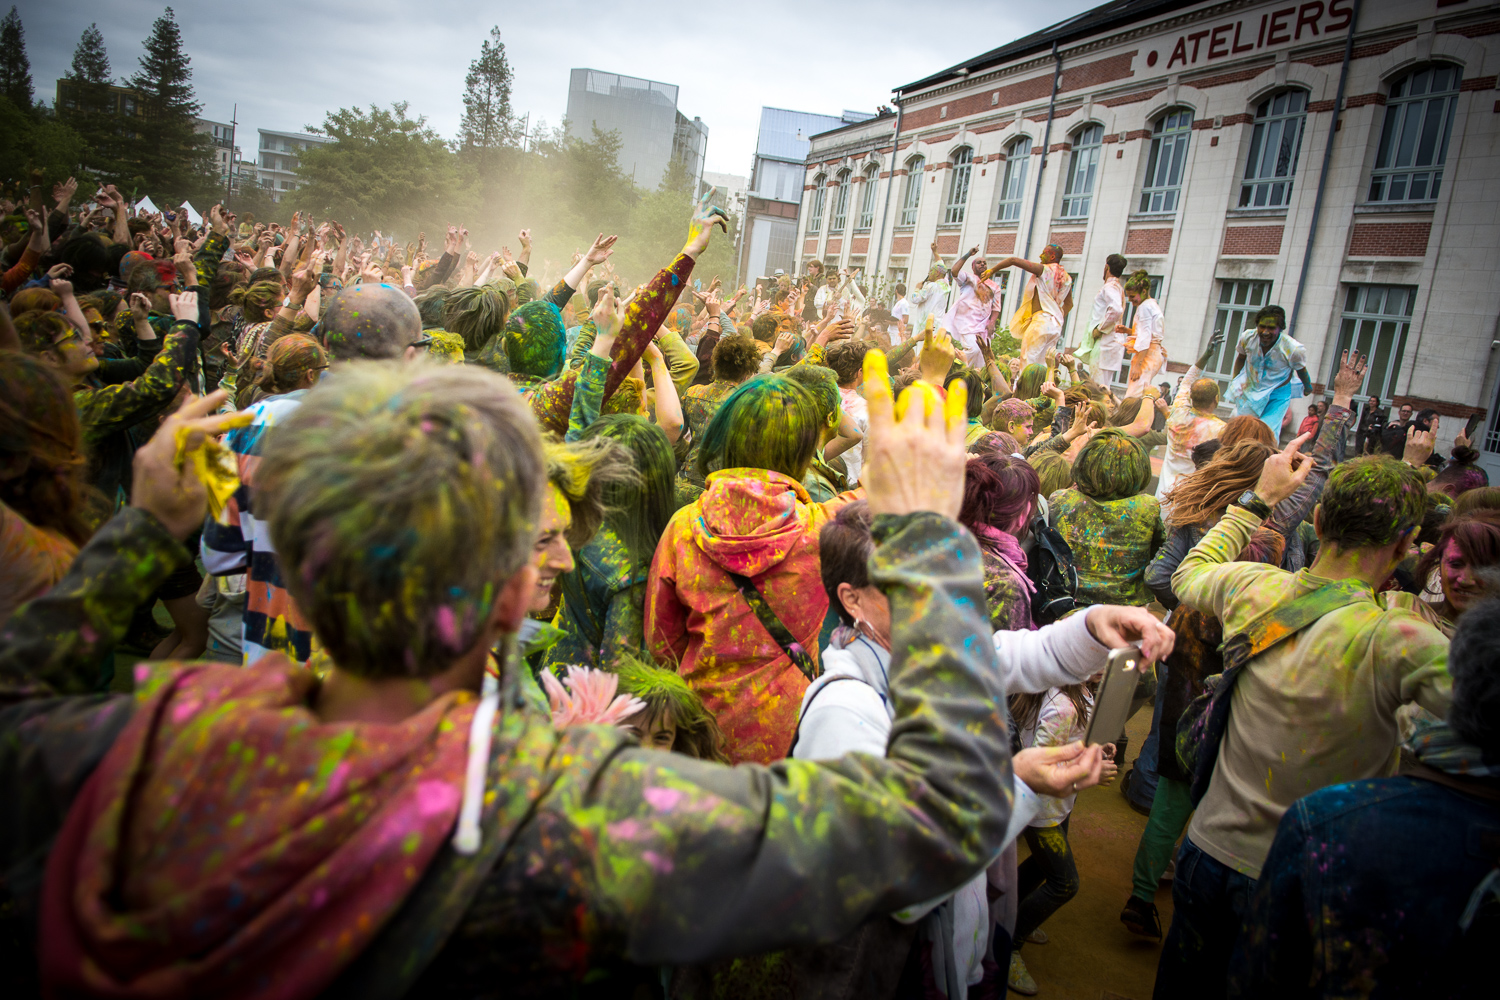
(1270, 370)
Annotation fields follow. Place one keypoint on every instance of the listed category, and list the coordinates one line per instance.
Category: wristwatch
(1254, 504)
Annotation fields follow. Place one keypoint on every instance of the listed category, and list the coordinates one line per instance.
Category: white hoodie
(854, 715)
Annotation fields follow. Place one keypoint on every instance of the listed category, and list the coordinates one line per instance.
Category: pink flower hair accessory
(588, 699)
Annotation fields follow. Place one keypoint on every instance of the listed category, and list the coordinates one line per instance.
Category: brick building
(1204, 142)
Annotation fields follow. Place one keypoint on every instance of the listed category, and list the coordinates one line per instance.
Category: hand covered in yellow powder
(167, 481)
(914, 459)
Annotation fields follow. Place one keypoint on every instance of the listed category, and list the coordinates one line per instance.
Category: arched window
(867, 200)
(911, 197)
(840, 203)
(1078, 195)
(958, 187)
(1013, 183)
(1414, 142)
(1169, 147)
(815, 214)
(1274, 147)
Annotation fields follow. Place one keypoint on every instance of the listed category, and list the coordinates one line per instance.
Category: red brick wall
(835, 244)
(1252, 241)
(810, 246)
(1071, 242)
(1001, 242)
(1023, 91)
(947, 244)
(860, 245)
(1147, 241)
(901, 244)
(1389, 239)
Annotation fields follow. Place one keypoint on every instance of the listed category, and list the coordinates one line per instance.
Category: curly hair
(474, 313)
(847, 359)
(735, 358)
(1011, 410)
(43, 471)
(823, 384)
(667, 694)
(1112, 466)
(1139, 283)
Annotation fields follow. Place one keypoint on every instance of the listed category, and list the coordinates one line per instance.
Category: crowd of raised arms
(383, 622)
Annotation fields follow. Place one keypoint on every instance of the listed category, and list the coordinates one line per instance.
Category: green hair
(666, 692)
(431, 302)
(1054, 471)
(475, 314)
(535, 340)
(583, 471)
(1029, 383)
(1112, 466)
(1369, 502)
(769, 422)
(1139, 283)
(638, 509)
(823, 383)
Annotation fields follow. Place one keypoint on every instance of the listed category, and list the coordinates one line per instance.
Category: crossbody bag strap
(1275, 624)
(773, 625)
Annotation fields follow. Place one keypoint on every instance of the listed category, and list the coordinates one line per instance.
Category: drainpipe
(1036, 196)
(885, 216)
(1312, 231)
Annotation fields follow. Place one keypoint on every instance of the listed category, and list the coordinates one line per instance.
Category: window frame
(839, 220)
(1083, 160)
(1164, 196)
(960, 183)
(1012, 181)
(1374, 329)
(1261, 189)
(911, 197)
(815, 210)
(1398, 125)
(1242, 297)
(867, 198)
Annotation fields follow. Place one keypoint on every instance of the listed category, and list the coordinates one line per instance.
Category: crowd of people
(387, 623)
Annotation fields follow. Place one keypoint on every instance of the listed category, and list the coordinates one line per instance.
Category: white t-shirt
(1150, 325)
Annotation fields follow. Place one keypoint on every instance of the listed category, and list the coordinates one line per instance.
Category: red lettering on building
(1277, 19)
(1236, 47)
(1179, 51)
(1195, 38)
(1218, 47)
(1307, 15)
(1344, 11)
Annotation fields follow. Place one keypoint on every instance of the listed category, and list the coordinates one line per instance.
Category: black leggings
(1046, 880)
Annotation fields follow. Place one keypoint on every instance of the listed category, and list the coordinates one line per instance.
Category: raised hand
(166, 487)
(608, 317)
(62, 193)
(1285, 471)
(140, 306)
(929, 436)
(184, 306)
(525, 237)
(1349, 378)
(937, 356)
(1420, 444)
(705, 218)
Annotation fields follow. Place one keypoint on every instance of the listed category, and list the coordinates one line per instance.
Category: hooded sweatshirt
(759, 524)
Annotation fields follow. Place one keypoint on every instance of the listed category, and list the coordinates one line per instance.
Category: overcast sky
(286, 64)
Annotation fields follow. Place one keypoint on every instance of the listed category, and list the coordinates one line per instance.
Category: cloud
(287, 64)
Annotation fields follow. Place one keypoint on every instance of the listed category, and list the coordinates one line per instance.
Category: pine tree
(487, 123)
(88, 105)
(168, 156)
(15, 68)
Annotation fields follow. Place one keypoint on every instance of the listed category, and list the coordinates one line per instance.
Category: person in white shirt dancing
(1149, 328)
(1045, 303)
(974, 308)
(1103, 349)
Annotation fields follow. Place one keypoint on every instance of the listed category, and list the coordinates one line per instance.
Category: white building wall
(1107, 80)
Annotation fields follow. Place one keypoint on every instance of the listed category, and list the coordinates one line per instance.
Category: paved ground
(1090, 955)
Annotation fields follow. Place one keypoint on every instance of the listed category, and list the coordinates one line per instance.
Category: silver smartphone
(1122, 672)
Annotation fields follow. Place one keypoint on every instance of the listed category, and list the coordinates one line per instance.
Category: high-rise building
(775, 195)
(221, 139)
(279, 156)
(644, 112)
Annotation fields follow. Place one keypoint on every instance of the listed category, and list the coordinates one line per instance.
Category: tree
(87, 108)
(15, 68)
(169, 157)
(33, 141)
(487, 124)
(383, 170)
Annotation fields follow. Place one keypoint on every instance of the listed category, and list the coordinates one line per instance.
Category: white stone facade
(1413, 278)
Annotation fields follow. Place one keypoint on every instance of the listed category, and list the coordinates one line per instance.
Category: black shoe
(1140, 917)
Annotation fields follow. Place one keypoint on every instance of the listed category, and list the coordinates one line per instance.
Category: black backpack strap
(773, 625)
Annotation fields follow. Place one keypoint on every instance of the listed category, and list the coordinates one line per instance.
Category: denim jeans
(1047, 879)
(1142, 788)
(1209, 901)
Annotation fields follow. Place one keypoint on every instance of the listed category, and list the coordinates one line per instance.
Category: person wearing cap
(362, 322)
(1045, 303)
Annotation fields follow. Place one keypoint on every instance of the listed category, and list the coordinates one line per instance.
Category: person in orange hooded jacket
(756, 521)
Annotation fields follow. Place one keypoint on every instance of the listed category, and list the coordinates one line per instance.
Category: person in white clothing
(847, 709)
(1103, 349)
(975, 307)
(929, 298)
(1146, 334)
(1045, 303)
(899, 312)
(1193, 420)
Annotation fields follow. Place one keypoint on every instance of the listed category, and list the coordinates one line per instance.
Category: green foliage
(1003, 343)
(36, 141)
(251, 199)
(15, 68)
(487, 125)
(89, 110)
(383, 170)
(165, 156)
